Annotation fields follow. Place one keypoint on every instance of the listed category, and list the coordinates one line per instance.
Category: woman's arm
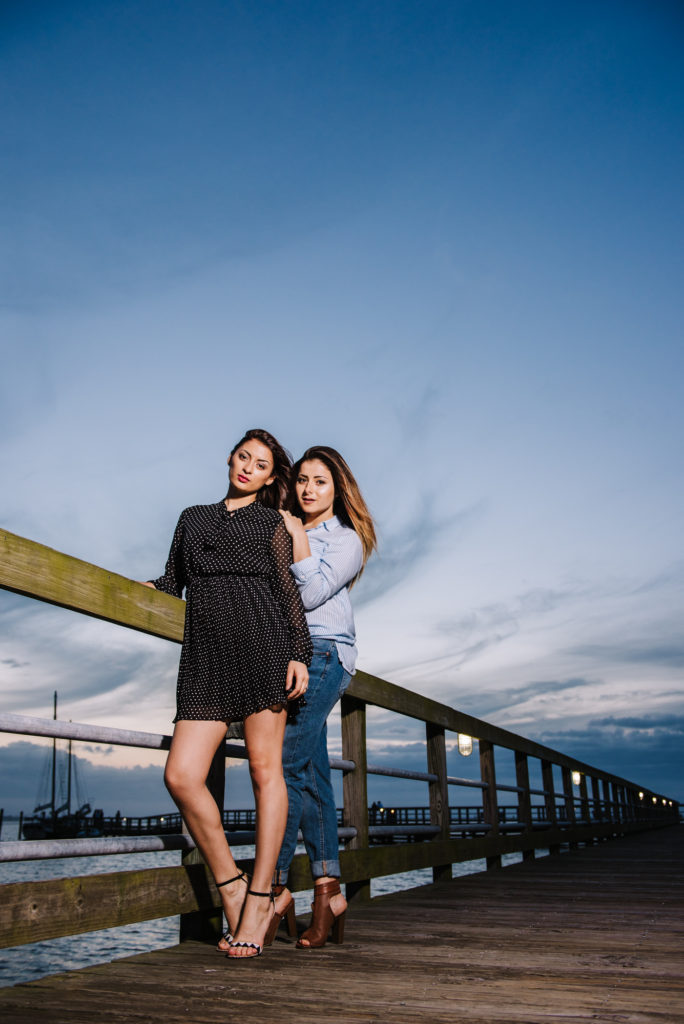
(287, 595)
(319, 578)
(173, 579)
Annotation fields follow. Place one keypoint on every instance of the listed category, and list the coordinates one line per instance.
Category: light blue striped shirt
(336, 557)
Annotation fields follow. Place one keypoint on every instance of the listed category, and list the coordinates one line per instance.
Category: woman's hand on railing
(147, 583)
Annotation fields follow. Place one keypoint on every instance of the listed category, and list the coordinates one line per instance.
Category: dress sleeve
(174, 578)
(287, 595)
(320, 577)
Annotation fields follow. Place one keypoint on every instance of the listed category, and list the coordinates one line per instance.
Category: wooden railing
(603, 805)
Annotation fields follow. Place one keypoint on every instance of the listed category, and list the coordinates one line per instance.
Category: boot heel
(338, 929)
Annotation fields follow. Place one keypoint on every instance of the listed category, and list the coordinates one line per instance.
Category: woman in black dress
(245, 654)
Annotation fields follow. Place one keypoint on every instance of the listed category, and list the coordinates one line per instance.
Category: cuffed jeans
(307, 769)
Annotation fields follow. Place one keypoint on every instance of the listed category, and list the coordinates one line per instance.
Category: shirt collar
(329, 525)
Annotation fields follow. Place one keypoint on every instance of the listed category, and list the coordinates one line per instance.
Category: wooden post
(439, 792)
(522, 778)
(490, 803)
(597, 810)
(568, 792)
(550, 800)
(584, 799)
(617, 807)
(633, 804)
(354, 785)
(207, 925)
(609, 813)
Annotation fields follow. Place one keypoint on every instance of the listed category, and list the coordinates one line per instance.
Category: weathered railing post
(490, 803)
(522, 778)
(569, 795)
(597, 809)
(550, 800)
(206, 925)
(355, 785)
(584, 800)
(608, 811)
(439, 792)
(618, 800)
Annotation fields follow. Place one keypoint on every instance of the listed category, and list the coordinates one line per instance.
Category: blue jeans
(307, 769)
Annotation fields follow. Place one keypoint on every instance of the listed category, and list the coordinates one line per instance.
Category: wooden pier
(594, 934)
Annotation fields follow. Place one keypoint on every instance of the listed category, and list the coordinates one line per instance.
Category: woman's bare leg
(264, 733)
(192, 750)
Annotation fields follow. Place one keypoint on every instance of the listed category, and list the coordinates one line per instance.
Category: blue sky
(442, 237)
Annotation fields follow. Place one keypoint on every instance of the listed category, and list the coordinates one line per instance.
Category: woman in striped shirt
(331, 544)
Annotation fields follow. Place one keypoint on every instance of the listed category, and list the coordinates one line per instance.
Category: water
(30, 962)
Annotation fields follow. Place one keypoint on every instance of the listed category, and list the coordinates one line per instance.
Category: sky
(443, 237)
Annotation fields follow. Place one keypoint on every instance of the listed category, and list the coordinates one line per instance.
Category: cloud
(469, 636)
(652, 760)
(649, 723)
(101, 672)
(489, 703)
(136, 790)
(411, 545)
(667, 654)
(415, 415)
(673, 576)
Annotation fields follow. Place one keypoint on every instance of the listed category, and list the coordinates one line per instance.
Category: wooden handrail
(34, 570)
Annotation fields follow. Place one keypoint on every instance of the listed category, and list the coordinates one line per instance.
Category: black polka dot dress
(244, 619)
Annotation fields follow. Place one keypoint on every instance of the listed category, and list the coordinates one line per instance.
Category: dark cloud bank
(133, 791)
(646, 751)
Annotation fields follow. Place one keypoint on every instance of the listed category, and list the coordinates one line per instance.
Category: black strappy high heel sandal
(227, 937)
(257, 946)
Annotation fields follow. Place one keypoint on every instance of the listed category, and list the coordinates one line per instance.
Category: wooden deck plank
(591, 935)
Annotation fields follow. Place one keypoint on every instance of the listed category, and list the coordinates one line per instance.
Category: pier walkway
(594, 934)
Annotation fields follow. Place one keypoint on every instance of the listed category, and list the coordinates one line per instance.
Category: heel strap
(251, 892)
(219, 885)
(327, 888)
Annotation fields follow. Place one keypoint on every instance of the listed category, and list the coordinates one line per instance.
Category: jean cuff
(323, 868)
(280, 876)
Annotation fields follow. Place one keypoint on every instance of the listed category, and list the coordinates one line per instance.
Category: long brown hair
(348, 506)
(273, 495)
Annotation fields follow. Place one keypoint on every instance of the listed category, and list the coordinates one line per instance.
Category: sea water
(35, 960)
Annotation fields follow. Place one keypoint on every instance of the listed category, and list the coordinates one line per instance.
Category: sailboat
(50, 821)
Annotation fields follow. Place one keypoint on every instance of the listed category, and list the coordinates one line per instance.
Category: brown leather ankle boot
(323, 918)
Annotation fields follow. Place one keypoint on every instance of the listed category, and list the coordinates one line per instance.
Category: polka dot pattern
(244, 619)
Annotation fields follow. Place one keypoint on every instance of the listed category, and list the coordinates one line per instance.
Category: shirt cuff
(302, 570)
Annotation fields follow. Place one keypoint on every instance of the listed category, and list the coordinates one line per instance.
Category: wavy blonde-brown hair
(349, 506)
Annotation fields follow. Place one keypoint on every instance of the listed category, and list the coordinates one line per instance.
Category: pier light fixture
(465, 744)
(641, 795)
(664, 800)
(576, 778)
(655, 799)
